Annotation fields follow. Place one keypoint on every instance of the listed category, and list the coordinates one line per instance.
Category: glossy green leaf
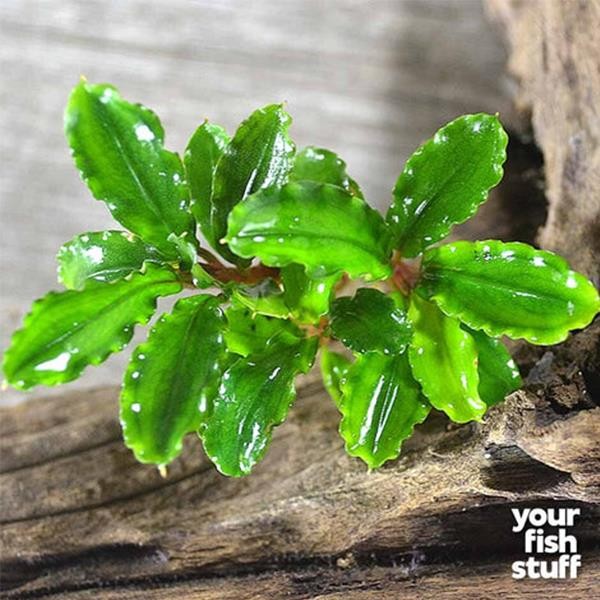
(316, 225)
(118, 148)
(102, 256)
(172, 378)
(260, 155)
(381, 403)
(323, 166)
(202, 155)
(265, 298)
(334, 368)
(498, 373)
(443, 358)
(65, 332)
(255, 395)
(308, 298)
(370, 322)
(509, 289)
(445, 180)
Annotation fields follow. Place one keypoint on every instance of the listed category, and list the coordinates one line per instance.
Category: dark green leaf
(509, 289)
(316, 225)
(255, 395)
(370, 322)
(323, 166)
(118, 148)
(202, 155)
(443, 358)
(307, 298)
(102, 256)
(334, 368)
(260, 155)
(265, 298)
(172, 379)
(381, 404)
(498, 373)
(65, 332)
(445, 180)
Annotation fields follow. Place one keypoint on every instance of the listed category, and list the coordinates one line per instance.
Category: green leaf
(443, 358)
(265, 298)
(509, 289)
(370, 322)
(334, 368)
(65, 332)
(307, 298)
(260, 155)
(316, 225)
(118, 148)
(498, 373)
(255, 395)
(202, 155)
(323, 166)
(381, 404)
(445, 180)
(102, 256)
(172, 379)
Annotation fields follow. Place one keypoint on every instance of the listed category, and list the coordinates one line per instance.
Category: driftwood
(80, 518)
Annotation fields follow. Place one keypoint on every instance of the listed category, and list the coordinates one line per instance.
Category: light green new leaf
(323, 166)
(445, 180)
(202, 155)
(264, 298)
(334, 368)
(509, 289)
(255, 395)
(65, 332)
(260, 155)
(498, 373)
(102, 256)
(172, 378)
(118, 148)
(307, 298)
(370, 322)
(381, 403)
(316, 225)
(443, 358)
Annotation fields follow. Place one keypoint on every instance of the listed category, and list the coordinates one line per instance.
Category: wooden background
(369, 79)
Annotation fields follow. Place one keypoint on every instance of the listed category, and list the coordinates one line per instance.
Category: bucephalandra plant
(290, 229)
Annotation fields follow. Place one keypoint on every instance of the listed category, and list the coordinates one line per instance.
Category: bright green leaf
(443, 358)
(316, 225)
(265, 298)
(202, 155)
(65, 332)
(260, 155)
(172, 379)
(334, 367)
(381, 403)
(445, 180)
(118, 148)
(509, 289)
(370, 322)
(255, 395)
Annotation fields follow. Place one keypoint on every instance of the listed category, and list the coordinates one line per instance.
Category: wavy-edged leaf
(381, 403)
(319, 226)
(370, 321)
(443, 358)
(308, 298)
(334, 368)
(264, 298)
(172, 378)
(202, 155)
(102, 256)
(323, 166)
(255, 395)
(260, 155)
(509, 289)
(498, 373)
(67, 331)
(118, 148)
(445, 180)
